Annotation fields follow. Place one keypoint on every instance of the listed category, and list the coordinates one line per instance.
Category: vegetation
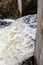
(9, 8)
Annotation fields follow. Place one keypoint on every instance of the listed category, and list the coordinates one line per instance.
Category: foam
(15, 44)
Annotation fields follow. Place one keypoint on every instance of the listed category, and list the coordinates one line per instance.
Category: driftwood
(20, 6)
(39, 35)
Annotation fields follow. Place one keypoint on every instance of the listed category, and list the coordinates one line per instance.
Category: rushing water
(17, 39)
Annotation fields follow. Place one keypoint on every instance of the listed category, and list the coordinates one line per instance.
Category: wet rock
(29, 61)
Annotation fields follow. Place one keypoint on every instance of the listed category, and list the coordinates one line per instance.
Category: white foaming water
(15, 44)
(7, 20)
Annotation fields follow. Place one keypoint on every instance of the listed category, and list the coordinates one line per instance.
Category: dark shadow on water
(29, 61)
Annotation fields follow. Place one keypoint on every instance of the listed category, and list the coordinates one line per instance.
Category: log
(20, 6)
(39, 35)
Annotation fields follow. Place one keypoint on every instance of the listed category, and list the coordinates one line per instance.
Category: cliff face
(9, 8)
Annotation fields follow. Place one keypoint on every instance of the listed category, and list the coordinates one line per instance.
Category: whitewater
(17, 41)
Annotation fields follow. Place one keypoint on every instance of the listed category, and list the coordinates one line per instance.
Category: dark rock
(29, 61)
